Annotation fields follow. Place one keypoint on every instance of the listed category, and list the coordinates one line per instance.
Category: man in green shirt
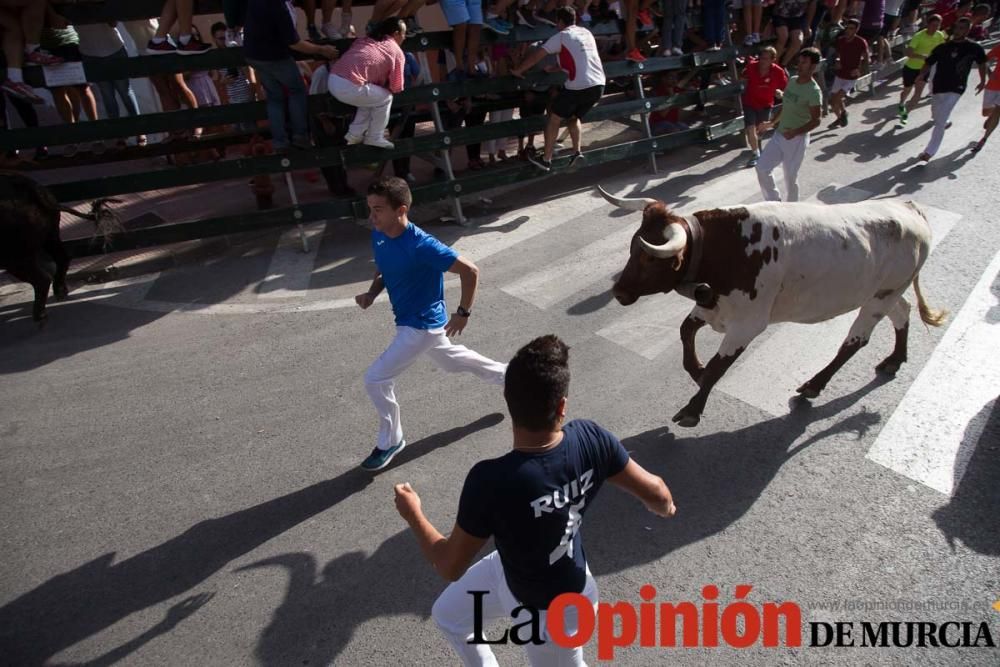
(799, 115)
(919, 48)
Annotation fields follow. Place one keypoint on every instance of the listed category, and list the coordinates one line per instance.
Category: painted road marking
(290, 271)
(931, 434)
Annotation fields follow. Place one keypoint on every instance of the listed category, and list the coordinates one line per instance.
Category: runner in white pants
(799, 115)
(411, 265)
(954, 61)
(531, 501)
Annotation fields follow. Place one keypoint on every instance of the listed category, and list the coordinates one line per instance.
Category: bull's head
(657, 252)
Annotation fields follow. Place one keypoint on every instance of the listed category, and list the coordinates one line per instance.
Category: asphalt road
(178, 468)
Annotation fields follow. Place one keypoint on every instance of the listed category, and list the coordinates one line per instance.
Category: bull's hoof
(41, 318)
(60, 292)
(687, 418)
(809, 391)
(889, 367)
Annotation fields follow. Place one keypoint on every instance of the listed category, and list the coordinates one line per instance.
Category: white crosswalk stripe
(291, 269)
(931, 434)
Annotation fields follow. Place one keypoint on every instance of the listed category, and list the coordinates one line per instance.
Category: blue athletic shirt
(533, 505)
(412, 267)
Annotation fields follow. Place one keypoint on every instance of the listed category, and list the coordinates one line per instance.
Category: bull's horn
(629, 203)
(676, 240)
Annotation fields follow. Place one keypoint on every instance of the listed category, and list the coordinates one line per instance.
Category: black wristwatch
(462, 312)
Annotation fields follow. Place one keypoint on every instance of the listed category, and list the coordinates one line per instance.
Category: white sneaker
(677, 51)
(353, 139)
(756, 38)
(748, 40)
(379, 142)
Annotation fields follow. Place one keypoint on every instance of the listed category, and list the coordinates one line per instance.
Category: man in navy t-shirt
(410, 265)
(531, 501)
(269, 37)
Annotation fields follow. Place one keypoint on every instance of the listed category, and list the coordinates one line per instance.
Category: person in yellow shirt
(917, 50)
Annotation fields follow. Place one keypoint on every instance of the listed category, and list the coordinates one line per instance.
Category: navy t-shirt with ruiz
(412, 267)
(533, 505)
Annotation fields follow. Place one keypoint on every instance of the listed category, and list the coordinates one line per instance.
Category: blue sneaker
(380, 458)
(507, 25)
(496, 26)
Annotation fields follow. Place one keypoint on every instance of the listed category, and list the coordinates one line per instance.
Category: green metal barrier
(340, 208)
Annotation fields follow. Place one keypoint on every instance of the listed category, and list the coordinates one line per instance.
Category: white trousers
(789, 153)
(942, 104)
(373, 103)
(410, 343)
(453, 613)
(491, 146)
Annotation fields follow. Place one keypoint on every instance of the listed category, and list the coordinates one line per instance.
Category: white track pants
(942, 104)
(373, 103)
(453, 613)
(789, 153)
(410, 343)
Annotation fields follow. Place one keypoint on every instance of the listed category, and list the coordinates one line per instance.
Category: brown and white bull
(749, 266)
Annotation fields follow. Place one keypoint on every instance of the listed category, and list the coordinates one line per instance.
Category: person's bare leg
(61, 97)
(385, 8)
(751, 137)
(575, 128)
(458, 45)
(551, 131)
(794, 42)
(32, 21)
(13, 38)
(185, 12)
(411, 8)
(168, 16)
(329, 6)
(472, 46)
(631, 10)
(918, 90)
(779, 46)
(757, 17)
(88, 101)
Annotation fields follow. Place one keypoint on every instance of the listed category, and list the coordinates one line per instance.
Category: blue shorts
(462, 11)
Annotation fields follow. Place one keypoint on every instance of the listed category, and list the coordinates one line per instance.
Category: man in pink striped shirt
(366, 77)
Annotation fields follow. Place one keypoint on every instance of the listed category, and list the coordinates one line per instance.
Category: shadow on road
(73, 327)
(715, 478)
(84, 601)
(972, 515)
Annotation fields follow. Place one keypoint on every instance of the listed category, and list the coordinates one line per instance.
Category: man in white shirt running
(577, 52)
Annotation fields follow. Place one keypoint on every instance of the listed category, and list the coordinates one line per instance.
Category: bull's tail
(928, 315)
(105, 219)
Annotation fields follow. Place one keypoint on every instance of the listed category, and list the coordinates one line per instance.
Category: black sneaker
(193, 47)
(843, 119)
(541, 163)
(577, 158)
(380, 458)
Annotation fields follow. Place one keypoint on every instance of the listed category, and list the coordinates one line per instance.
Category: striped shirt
(368, 61)
(237, 84)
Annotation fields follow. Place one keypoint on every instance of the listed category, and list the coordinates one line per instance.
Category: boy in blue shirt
(410, 265)
(531, 501)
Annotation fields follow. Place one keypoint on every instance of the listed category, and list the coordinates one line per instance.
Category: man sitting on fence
(583, 89)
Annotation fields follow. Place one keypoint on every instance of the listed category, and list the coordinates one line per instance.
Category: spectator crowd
(290, 53)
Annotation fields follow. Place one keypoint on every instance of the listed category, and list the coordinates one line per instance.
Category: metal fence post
(296, 212)
(645, 117)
